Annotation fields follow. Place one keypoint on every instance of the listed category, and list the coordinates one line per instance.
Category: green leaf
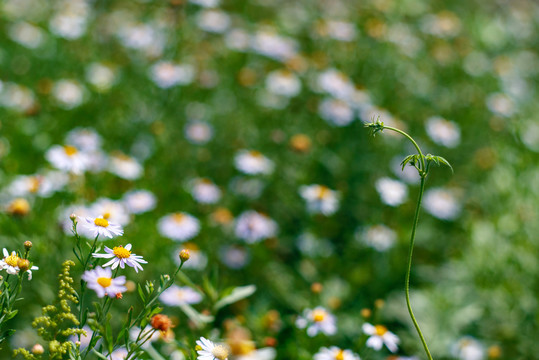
(239, 293)
(141, 293)
(196, 317)
(99, 355)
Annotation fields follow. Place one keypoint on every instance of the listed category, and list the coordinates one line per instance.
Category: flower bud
(37, 349)
(184, 255)
(73, 217)
(316, 288)
(27, 245)
(18, 207)
(23, 264)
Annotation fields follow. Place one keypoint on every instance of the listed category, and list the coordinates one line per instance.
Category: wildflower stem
(409, 269)
(415, 145)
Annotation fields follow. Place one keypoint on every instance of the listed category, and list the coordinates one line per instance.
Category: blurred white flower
(204, 191)
(67, 158)
(237, 39)
(392, 192)
(235, 257)
(68, 93)
(334, 353)
(206, 3)
(379, 237)
(443, 132)
(336, 112)
(442, 203)
(68, 25)
(101, 76)
(111, 210)
(211, 20)
(118, 354)
(176, 296)
(139, 201)
(43, 185)
(468, 348)
(253, 227)
(198, 132)
(379, 335)
(444, 24)
(320, 199)
(27, 35)
(16, 97)
(258, 354)
(283, 82)
(272, 45)
(500, 104)
(336, 84)
(125, 166)
(317, 320)
(253, 162)
(86, 139)
(166, 74)
(341, 30)
(179, 226)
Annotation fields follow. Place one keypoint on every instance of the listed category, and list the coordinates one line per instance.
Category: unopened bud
(18, 207)
(27, 245)
(37, 349)
(184, 255)
(73, 217)
(23, 264)
(366, 313)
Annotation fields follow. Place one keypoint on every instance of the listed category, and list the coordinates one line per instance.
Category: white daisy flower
(392, 192)
(101, 227)
(252, 227)
(283, 82)
(179, 226)
(27, 34)
(100, 280)
(67, 158)
(320, 199)
(443, 132)
(41, 185)
(379, 237)
(68, 93)
(235, 257)
(468, 348)
(334, 353)
(207, 350)
(266, 42)
(198, 132)
(211, 20)
(336, 83)
(86, 139)
(253, 162)
(125, 167)
(101, 76)
(10, 264)
(176, 296)
(166, 74)
(118, 354)
(336, 112)
(379, 336)
(139, 201)
(121, 256)
(317, 320)
(442, 203)
(111, 210)
(204, 191)
(258, 354)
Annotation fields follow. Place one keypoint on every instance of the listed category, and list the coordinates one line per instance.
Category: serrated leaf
(239, 293)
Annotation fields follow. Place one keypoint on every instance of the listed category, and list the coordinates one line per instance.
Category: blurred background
(230, 111)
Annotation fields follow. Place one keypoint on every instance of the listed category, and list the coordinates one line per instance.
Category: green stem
(413, 142)
(409, 269)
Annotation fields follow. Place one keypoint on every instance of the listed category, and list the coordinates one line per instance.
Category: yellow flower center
(323, 191)
(220, 352)
(121, 252)
(178, 217)
(106, 215)
(34, 184)
(104, 282)
(380, 330)
(319, 315)
(101, 222)
(255, 153)
(70, 150)
(12, 260)
(339, 355)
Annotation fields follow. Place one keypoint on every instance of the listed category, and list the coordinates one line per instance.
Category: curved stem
(409, 269)
(413, 142)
